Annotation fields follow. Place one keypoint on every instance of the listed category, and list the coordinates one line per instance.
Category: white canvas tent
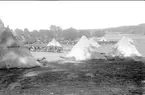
(93, 42)
(84, 50)
(103, 39)
(54, 43)
(13, 54)
(124, 48)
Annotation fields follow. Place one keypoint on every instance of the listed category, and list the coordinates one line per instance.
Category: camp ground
(72, 48)
(82, 69)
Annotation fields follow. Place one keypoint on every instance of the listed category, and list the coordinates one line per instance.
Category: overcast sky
(78, 14)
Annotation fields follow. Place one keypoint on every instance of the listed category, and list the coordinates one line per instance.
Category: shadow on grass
(92, 77)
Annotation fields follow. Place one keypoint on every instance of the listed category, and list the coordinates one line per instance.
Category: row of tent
(52, 46)
(54, 42)
(87, 49)
(55, 46)
(13, 54)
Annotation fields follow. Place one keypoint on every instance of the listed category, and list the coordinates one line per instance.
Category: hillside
(136, 29)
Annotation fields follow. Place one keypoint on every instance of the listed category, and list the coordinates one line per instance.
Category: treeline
(70, 34)
(44, 36)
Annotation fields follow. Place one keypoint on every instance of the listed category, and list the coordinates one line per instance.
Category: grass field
(94, 77)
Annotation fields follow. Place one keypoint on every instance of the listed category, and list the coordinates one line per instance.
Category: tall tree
(57, 31)
(98, 33)
(26, 30)
(70, 34)
(27, 33)
(34, 33)
(84, 32)
(19, 32)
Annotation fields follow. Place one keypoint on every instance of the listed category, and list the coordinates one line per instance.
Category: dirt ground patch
(94, 77)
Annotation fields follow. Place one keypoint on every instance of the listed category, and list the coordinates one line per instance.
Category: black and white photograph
(72, 48)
